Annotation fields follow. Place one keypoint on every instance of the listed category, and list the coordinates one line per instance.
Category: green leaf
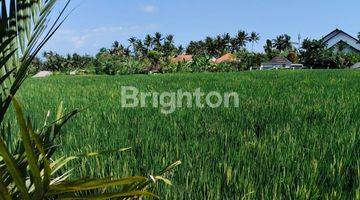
(93, 154)
(47, 169)
(4, 193)
(83, 185)
(30, 155)
(13, 170)
(118, 195)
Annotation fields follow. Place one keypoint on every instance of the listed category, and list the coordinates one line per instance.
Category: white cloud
(111, 29)
(148, 8)
(79, 41)
(89, 40)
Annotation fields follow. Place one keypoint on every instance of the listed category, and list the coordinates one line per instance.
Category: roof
(334, 33)
(356, 66)
(226, 58)
(43, 74)
(183, 58)
(279, 60)
(351, 41)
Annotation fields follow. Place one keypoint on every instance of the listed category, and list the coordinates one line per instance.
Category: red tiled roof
(226, 58)
(183, 58)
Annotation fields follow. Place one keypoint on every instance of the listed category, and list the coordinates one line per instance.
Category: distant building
(182, 58)
(356, 66)
(339, 39)
(42, 74)
(226, 58)
(280, 63)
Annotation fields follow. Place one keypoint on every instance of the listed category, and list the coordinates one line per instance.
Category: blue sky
(95, 24)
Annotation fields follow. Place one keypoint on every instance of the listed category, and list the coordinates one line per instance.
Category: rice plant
(295, 135)
(27, 167)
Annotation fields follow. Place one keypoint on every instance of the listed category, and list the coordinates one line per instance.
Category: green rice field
(296, 134)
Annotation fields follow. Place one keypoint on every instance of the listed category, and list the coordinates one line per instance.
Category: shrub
(315, 54)
(292, 56)
(250, 59)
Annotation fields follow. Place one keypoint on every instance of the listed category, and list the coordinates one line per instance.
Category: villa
(226, 58)
(338, 37)
(182, 58)
(280, 62)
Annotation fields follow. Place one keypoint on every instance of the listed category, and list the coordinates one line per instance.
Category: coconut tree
(220, 46)
(148, 41)
(210, 46)
(196, 48)
(29, 170)
(119, 49)
(283, 42)
(158, 38)
(132, 41)
(139, 49)
(240, 40)
(180, 49)
(226, 42)
(254, 38)
(268, 46)
(169, 48)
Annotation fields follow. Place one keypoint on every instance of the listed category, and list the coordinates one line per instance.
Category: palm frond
(22, 34)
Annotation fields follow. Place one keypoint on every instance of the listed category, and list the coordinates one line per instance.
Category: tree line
(155, 52)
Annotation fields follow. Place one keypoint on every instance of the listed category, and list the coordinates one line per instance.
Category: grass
(295, 135)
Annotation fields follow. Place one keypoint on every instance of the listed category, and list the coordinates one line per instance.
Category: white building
(356, 66)
(280, 63)
(339, 39)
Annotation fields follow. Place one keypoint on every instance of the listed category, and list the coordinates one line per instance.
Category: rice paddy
(296, 134)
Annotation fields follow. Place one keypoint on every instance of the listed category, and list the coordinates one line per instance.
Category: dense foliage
(315, 54)
(295, 135)
(155, 54)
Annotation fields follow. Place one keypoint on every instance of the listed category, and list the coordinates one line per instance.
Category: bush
(250, 59)
(227, 66)
(315, 54)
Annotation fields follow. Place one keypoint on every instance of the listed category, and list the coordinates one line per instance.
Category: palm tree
(132, 40)
(287, 42)
(148, 41)
(116, 44)
(240, 40)
(139, 50)
(180, 49)
(169, 38)
(227, 42)
(119, 49)
(115, 48)
(168, 49)
(220, 46)
(234, 44)
(210, 46)
(157, 40)
(254, 38)
(283, 43)
(268, 47)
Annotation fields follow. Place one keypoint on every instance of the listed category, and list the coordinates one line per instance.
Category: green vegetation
(28, 169)
(155, 54)
(294, 136)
